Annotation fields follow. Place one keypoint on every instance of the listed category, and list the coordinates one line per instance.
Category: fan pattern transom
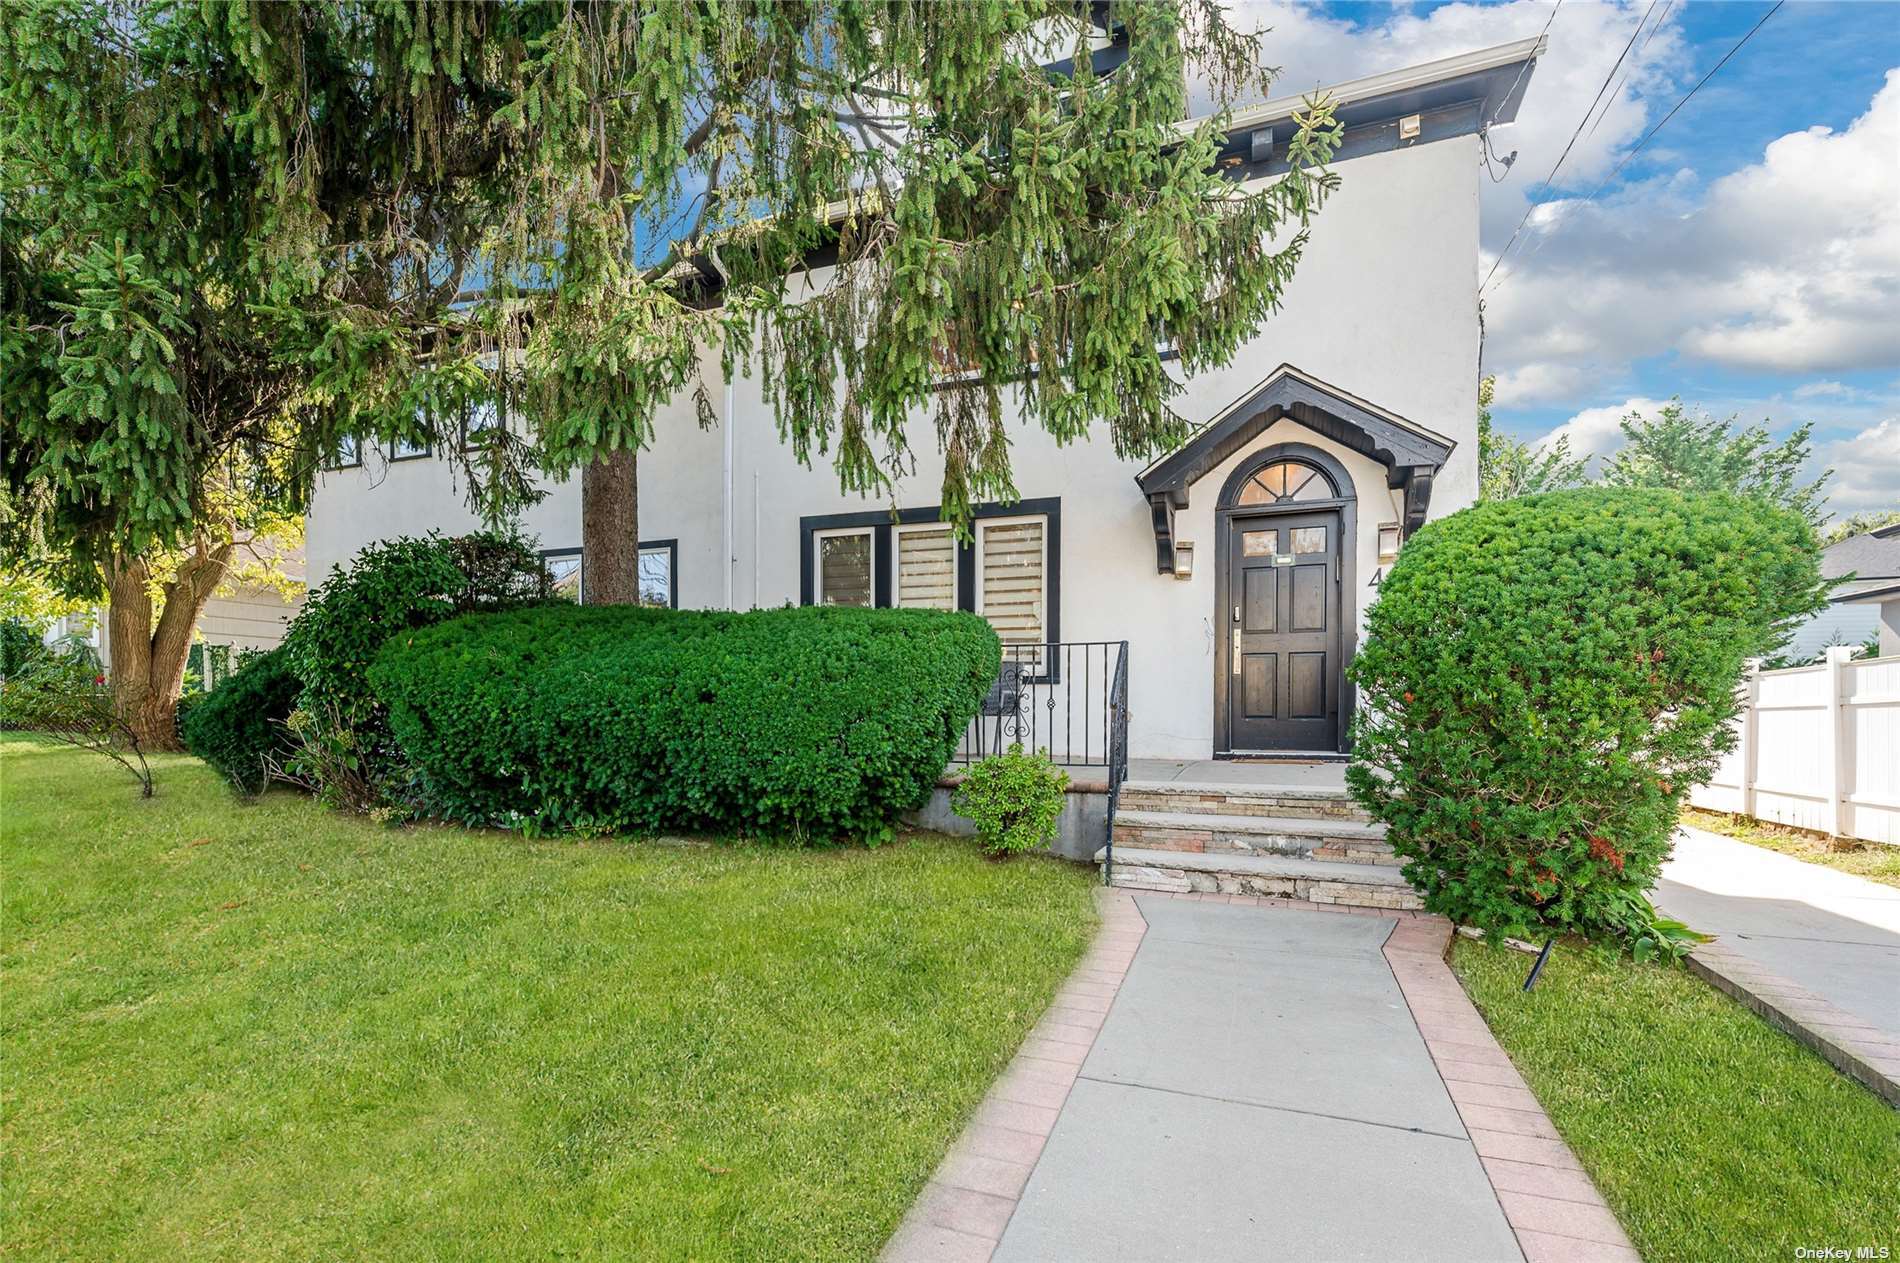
(1287, 482)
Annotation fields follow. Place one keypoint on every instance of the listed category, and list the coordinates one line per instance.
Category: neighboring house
(1238, 568)
(239, 618)
(1866, 606)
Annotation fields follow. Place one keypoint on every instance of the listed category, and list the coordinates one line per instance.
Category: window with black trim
(926, 566)
(659, 573)
(1009, 571)
(348, 453)
(564, 573)
(479, 421)
(1012, 578)
(844, 562)
(407, 449)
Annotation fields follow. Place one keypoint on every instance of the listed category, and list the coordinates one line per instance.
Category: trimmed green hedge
(240, 724)
(1545, 678)
(814, 723)
(391, 586)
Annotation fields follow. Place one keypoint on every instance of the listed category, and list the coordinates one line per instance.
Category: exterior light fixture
(1184, 560)
(1388, 542)
(1408, 127)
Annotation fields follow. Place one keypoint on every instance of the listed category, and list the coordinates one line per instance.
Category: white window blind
(1013, 579)
(927, 568)
(844, 569)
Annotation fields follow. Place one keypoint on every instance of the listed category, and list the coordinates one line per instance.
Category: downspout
(732, 558)
(727, 551)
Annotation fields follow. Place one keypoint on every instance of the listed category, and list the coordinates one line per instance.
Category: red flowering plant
(1541, 681)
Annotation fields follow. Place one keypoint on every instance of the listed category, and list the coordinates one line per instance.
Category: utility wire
(1651, 133)
(1484, 132)
(1545, 186)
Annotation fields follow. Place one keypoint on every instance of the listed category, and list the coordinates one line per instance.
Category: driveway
(1259, 1090)
(1833, 933)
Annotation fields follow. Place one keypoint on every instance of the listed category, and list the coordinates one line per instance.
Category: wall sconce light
(1184, 560)
(1388, 542)
(1409, 127)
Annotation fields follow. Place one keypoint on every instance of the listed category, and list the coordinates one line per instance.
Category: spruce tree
(236, 235)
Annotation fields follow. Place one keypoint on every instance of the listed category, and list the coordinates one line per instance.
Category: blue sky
(1745, 259)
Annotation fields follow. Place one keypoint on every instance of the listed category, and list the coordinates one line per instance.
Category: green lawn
(1712, 1135)
(1876, 861)
(257, 1031)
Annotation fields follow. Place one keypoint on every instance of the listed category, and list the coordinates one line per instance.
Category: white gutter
(1409, 79)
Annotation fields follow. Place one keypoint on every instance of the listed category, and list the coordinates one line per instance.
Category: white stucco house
(1237, 569)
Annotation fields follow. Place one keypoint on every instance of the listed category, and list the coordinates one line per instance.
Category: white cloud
(1596, 432)
(1538, 383)
(1866, 469)
(1789, 265)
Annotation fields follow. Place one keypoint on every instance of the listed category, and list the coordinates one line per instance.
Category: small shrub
(814, 723)
(62, 693)
(239, 728)
(1014, 799)
(1545, 678)
(393, 586)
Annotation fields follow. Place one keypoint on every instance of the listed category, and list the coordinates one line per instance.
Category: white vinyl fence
(1819, 749)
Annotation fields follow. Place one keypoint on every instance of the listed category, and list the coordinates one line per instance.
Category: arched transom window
(1287, 482)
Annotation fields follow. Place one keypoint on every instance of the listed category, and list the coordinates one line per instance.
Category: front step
(1271, 876)
(1240, 800)
(1335, 839)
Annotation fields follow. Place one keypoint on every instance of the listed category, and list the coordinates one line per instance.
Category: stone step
(1269, 876)
(1331, 839)
(1240, 800)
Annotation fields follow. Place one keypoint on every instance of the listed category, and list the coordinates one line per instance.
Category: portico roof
(1411, 453)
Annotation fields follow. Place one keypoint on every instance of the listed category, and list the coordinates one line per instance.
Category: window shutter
(927, 569)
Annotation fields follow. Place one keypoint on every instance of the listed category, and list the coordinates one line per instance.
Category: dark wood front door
(1282, 659)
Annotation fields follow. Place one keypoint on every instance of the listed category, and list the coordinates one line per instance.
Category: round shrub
(1543, 679)
(238, 728)
(813, 723)
(391, 586)
(1013, 799)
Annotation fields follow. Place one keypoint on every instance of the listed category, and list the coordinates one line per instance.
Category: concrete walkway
(1227, 1078)
(1834, 933)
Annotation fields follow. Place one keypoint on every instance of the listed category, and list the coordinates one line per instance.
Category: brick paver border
(1856, 1048)
(961, 1214)
(1549, 1202)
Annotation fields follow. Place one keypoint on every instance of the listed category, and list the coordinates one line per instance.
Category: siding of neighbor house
(1383, 306)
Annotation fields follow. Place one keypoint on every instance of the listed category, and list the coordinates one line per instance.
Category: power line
(1651, 133)
(1561, 158)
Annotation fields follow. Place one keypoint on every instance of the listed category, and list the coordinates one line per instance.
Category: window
(1287, 482)
(927, 567)
(348, 453)
(480, 419)
(407, 449)
(564, 574)
(1012, 578)
(1009, 571)
(844, 567)
(658, 586)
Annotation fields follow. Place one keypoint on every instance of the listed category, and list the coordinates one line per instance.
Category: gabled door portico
(1287, 535)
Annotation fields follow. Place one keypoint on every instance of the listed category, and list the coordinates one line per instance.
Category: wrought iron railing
(1053, 696)
(1069, 698)
(1118, 755)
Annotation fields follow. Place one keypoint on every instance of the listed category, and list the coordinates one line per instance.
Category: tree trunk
(148, 662)
(610, 530)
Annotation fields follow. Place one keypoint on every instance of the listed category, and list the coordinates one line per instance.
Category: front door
(1282, 638)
